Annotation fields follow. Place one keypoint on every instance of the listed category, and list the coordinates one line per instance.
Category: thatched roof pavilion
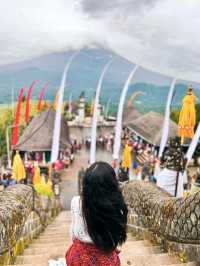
(149, 127)
(39, 133)
(130, 114)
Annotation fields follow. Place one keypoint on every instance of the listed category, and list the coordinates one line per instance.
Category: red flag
(15, 132)
(41, 96)
(27, 114)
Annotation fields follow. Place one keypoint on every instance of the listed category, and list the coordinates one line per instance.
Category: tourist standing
(98, 226)
(171, 178)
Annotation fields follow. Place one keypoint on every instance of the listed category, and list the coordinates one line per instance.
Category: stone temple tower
(81, 108)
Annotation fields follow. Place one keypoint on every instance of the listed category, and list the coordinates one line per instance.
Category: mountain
(83, 76)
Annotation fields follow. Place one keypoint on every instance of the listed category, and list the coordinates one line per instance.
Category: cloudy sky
(161, 35)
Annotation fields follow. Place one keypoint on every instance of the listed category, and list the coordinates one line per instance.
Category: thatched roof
(149, 127)
(130, 115)
(38, 134)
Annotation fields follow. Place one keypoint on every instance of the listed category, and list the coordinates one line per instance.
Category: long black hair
(103, 207)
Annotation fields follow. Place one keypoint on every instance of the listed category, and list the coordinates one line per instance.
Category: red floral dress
(84, 254)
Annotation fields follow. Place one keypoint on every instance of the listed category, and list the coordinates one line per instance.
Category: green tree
(6, 120)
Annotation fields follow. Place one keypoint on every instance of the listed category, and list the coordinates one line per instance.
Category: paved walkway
(69, 185)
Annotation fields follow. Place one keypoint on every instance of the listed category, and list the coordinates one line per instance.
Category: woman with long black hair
(99, 219)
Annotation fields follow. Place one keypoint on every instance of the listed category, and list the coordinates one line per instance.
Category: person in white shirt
(99, 219)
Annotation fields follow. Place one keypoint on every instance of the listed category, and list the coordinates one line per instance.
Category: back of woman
(99, 219)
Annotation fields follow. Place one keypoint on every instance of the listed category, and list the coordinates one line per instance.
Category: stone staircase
(54, 241)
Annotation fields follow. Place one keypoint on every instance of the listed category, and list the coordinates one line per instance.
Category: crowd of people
(138, 158)
(140, 161)
(103, 142)
(35, 167)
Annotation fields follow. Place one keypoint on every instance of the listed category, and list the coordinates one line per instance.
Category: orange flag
(27, 113)
(15, 132)
(41, 96)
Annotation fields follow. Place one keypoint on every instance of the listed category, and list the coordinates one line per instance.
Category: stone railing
(174, 222)
(23, 215)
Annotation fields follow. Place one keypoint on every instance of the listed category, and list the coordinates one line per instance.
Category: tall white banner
(95, 114)
(193, 144)
(57, 123)
(166, 124)
(118, 127)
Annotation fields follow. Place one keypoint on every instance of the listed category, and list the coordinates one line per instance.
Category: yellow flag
(55, 104)
(19, 172)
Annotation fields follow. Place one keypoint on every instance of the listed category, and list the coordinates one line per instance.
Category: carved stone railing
(174, 221)
(23, 215)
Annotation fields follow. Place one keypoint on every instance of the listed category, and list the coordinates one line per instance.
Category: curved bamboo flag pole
(70, 104)
(193, 144)
(57, 123)
(94, 119)
(166, 124)
(191, 151)
(118, 128)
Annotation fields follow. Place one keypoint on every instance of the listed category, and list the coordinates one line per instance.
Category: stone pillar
(99, 114)
(81, 110)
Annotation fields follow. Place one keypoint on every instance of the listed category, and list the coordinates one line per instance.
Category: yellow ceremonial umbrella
(127, 157)
(187, 117)
(19, 172)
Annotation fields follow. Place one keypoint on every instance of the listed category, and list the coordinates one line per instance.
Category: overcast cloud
(160, 35)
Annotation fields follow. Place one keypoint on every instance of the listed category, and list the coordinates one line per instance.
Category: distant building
(81, 109)
(81, 115)
(38, 135)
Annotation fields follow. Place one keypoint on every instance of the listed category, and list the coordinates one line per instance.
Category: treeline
(7, 120)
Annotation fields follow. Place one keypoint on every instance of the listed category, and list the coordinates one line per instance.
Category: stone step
(55, 237)
(37, 259)
(53, 241)
(59, 225)
(49, 245)
(60, 230)
(44, 264)
(50, 252)
(183, 264)
(61, 222)
(56, 232)
(149, 260)
(32, 264)
(45, 250)
(137, 250)
(137, 243)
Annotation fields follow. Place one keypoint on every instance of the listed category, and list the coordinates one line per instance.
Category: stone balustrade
(175, 223)
(23, 215)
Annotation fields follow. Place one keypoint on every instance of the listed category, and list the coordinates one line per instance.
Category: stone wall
(174, 223)
(23, 215)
